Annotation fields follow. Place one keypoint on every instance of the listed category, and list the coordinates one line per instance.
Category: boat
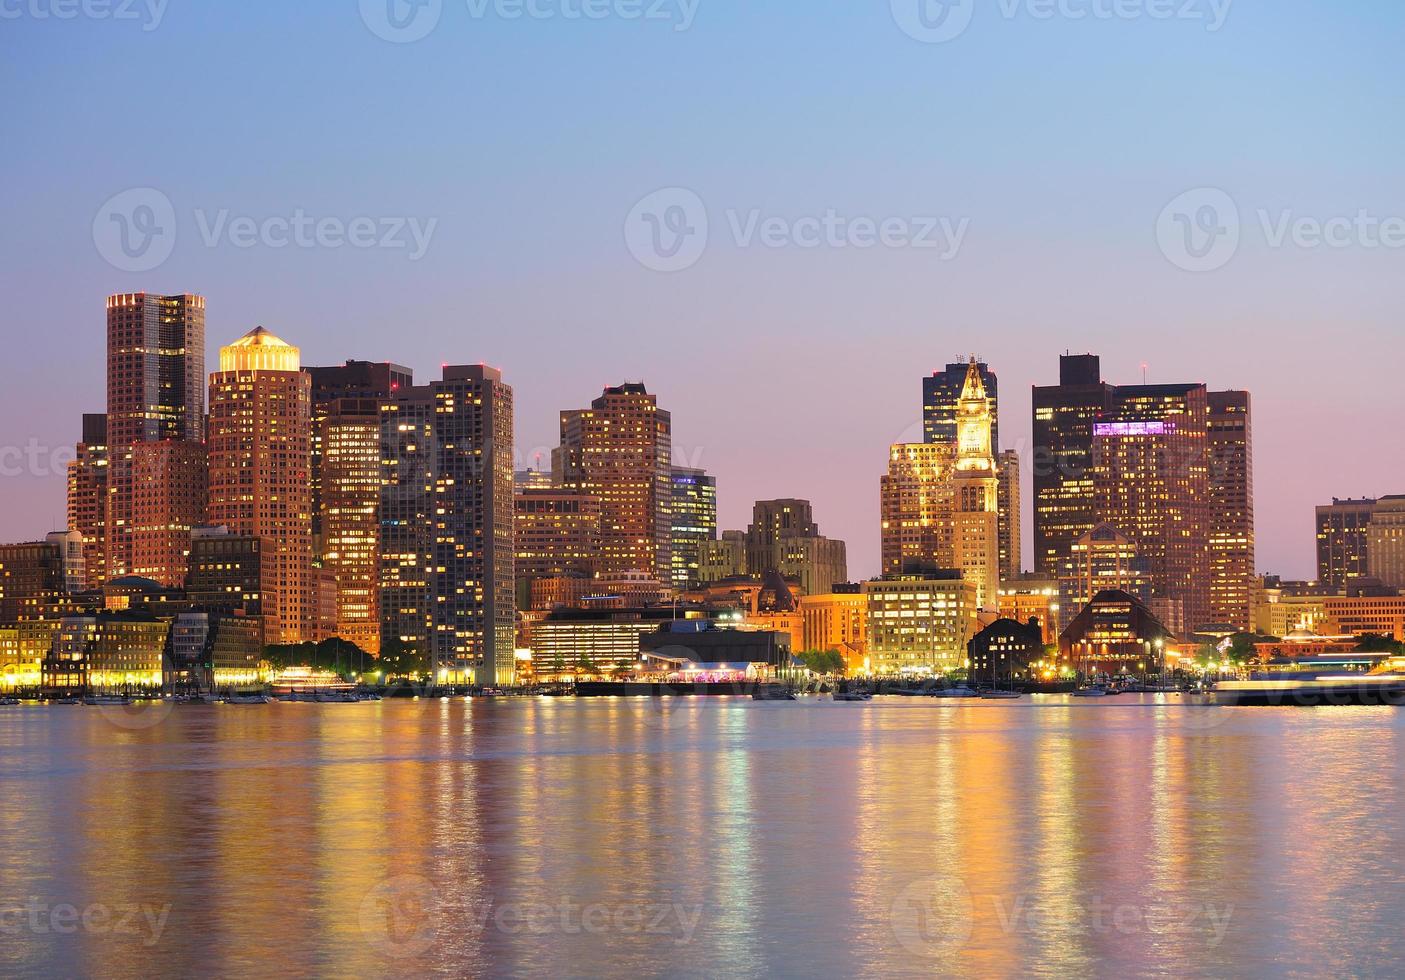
(961, 691)
(1312, 690)
(773, 692)
(999, 695)
(104, 700)
(9, 702)
(855, 695)
(249, 697)
(1096, 691)
(336, 697)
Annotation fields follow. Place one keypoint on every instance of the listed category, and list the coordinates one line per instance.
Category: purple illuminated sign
(1134, 428)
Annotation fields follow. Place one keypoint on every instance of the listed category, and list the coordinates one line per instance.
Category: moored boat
(773, 692)
(1312, 691)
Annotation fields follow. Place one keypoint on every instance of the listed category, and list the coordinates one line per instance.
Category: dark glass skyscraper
(941, 397)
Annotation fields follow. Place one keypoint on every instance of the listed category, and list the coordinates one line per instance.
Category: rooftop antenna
(1144, 370)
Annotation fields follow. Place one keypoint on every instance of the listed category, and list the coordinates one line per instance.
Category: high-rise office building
(170, 486)
(917, 506)
(1102, 559)
(1152, 482)
(694, 521)
(1232, 567)
(784, 538)
(260, 461)
(373, 381)
(1385, 542)
(1062, 459)
(919, 622)
(155, 392)
(447, 524)
(32, 575)
(347, 436)
(620, 450)
(941, 401)
(557, 533)
(1011, 526)
(87, 497)
(226, 571)
(976, 485)
(1343, 531)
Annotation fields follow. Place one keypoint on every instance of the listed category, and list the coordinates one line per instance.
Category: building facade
(694, 522)
(170, 496)
(1233, 572)
(620, 450)
(919, 624)
(1385, 542)
(1343, 535)
(447, 581)
(87, 497)
(347, 491)
(976, 485)
(155, 392)
(260, 470)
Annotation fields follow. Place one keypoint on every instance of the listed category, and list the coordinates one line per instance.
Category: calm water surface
(702, 838)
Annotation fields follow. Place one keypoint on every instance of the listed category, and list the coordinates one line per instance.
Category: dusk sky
(1051, 146)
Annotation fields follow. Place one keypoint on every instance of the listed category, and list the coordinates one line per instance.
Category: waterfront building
(447, 584)
(1363, 614)
(106, 652)
(620, 451)
(347, 491)
(1116, 633)
(1343, 534)
(919, 622)
(694, 522)
(1385, 542)
(260, 471)
(1152, 483)
(1004, 652)
(701, 649)
(170, 491)
(1062, 465)
(87, 497)
(155, 392)
(35, 574)
(836, 621)
(213, 651)
(1282, 608)
(1231, 529)
(1033, 597)
(573, 643)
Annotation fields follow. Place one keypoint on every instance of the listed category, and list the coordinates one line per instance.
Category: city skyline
(1062, 177)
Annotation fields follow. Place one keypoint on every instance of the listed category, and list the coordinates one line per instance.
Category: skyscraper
(917, 506)
(1343, 553)
(620, 450)
(976, 486)
(170, 485)
(941, 401)
(447, 523)
(557, 533)
(1151, 466)
(260, 460)
(155, 391)
(1232, 567)
(694, 521)
(784, 538)
(1062, 460)
(347, 434)
(1011, 502)
(87, 497)
(1385, 542)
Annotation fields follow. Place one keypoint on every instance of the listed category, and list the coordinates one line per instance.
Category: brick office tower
(155, 392)
(620, 450)
(260, 452)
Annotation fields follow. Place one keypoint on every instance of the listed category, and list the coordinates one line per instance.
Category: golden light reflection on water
(705, 838)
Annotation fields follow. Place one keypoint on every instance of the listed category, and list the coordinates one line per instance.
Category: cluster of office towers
(1143, 488)
(349, 501)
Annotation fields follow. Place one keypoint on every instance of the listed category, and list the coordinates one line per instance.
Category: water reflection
(702, 838)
